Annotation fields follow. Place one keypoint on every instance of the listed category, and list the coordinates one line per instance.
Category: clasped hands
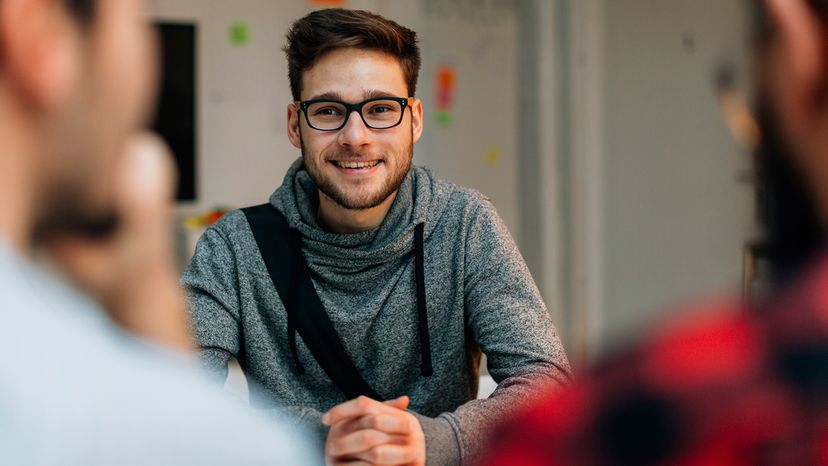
(366, 432)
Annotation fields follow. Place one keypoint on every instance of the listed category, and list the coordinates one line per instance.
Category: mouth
(356, 167)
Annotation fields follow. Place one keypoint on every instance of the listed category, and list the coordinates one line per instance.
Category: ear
(40, 47)
(293, 132)
(416, 120)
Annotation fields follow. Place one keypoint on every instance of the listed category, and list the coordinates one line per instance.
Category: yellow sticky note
(493, 156)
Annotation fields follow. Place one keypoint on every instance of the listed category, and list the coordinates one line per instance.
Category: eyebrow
(367, 94)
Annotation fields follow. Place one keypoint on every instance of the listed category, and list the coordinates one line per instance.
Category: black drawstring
(295, 260)
(426, 368)
(422, 311)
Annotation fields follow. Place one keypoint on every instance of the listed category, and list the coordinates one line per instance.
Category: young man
(75, 389)
(726, 386)
(413, 272)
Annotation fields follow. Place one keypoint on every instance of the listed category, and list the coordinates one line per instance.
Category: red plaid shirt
(724, 387)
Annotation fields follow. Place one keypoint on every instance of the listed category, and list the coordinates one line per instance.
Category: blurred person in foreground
(726, 385)
(99, 371)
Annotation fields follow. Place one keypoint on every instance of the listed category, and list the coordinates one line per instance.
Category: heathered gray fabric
(477, 285)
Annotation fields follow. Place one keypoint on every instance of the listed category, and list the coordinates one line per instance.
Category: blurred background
(593, 125)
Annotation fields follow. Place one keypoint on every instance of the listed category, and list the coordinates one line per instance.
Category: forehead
(354, 74)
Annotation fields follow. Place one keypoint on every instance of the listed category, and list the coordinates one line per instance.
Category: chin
(367, 201)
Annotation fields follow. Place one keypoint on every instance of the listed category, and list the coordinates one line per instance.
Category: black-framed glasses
(376, 113)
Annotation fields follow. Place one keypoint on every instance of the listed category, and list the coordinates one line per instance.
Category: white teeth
(357, 164)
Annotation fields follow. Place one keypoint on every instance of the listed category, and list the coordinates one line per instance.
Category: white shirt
(76, 390)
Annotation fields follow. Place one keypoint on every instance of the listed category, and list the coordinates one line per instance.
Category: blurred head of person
(792, 93)
(76, 79)
(353, 56)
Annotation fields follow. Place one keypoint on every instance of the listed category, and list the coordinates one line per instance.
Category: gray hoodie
(477, 288)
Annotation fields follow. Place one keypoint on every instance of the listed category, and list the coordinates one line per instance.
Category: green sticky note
(444, 117)
(239, 34)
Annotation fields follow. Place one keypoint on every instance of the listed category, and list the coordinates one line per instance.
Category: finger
(146, 177)
(351, 409)
(364, 406)
(399, 423)
(387, 454)
(351, 462)
(399, 403)
(360, 441)
(341, 429)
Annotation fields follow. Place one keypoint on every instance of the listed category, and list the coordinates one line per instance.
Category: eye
(327, 111)
(384, 108)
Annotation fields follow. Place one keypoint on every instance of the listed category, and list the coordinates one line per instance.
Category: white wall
(478, 39)
(673, 217)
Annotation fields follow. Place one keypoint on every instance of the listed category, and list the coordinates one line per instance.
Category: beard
(77, 191)
(360, 199)
(76, 222)
(69, 209)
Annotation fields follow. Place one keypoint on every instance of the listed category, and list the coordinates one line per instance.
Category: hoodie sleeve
(510, 322)
(211, 282)
(212, 290)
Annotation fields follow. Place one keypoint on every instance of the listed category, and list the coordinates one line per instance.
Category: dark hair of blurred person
(725, 385)
(788, 209)
(96, 367)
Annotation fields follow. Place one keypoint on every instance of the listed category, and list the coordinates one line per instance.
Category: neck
(337, 219)
(16, 177)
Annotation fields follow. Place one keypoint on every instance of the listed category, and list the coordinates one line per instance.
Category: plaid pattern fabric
(723, 387)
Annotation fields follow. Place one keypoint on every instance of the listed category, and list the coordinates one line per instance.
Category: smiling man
(360, 296)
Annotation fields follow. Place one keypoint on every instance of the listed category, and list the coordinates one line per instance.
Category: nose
(354, 133)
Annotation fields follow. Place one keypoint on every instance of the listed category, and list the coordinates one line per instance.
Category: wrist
(441, 442)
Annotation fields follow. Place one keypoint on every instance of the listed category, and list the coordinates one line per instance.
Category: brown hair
(323, 31)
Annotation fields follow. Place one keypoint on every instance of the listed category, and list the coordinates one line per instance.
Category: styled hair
(323, 31)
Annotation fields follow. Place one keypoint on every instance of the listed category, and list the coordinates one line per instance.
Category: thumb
(399, 403)
(146, 180)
